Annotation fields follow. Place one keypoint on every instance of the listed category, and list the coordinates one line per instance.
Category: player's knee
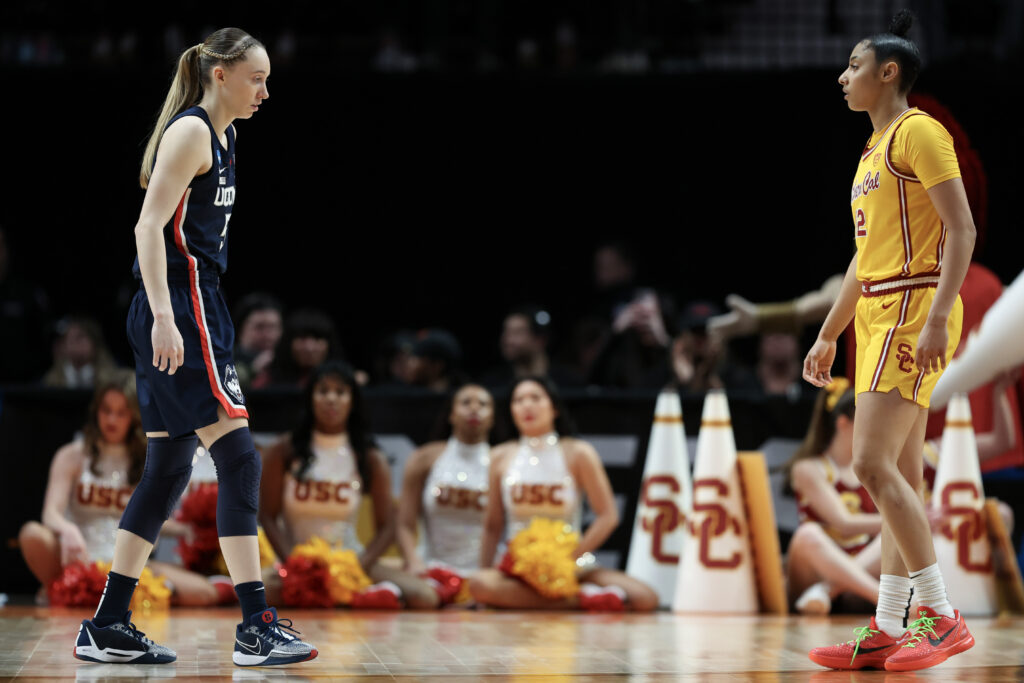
(643, 599)
(238, 483)
(807, 535)
(164, 478)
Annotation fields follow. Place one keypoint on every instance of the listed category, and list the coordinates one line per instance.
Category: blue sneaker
(119, 642)
(263, 642)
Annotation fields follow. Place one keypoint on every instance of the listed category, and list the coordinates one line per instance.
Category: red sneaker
(935, 637)
(383, 595)
(869, 649)
(594, 598)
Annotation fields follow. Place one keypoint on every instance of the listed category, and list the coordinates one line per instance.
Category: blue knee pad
(165, 476)
(238, 483)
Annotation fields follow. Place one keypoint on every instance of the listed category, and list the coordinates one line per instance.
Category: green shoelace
(863, 633)
(921, 627)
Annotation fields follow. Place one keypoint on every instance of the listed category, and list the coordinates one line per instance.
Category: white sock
(893, 602)
(930, 590)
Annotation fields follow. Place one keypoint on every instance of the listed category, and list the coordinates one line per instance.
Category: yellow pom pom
(347, 575)
(542, 556)
(152, 592)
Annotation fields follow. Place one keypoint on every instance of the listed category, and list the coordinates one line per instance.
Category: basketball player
(546, 474)
(445, 483)
(182, 337)
(914, 235)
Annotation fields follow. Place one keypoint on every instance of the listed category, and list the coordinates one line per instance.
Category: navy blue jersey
(196, 238)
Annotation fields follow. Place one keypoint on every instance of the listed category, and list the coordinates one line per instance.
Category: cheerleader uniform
(325, 501)
(454, 502)
(854, 496)
(97, 502)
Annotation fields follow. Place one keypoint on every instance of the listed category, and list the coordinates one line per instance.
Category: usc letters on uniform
(900, 240)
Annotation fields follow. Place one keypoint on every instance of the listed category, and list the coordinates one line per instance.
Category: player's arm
(414, 478)
(383, 510)
(818, 363)
(950, 202)
(184, 152)
(494, 517)
(64, 471)
(810, 483)
(590, 473)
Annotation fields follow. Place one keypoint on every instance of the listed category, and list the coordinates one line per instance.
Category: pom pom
(901, 23)
(542, 556)
(202, 553)
(78, 585)
(448, 585)
(334, 574)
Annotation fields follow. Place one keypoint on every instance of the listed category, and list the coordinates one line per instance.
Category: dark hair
(305, 322)
(252, 302)
(360, 437)
(896, 47)
(191, 76)
(122, 382)
(563, 421)
(834, 400)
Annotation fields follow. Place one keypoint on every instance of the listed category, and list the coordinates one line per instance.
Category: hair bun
(901, 23)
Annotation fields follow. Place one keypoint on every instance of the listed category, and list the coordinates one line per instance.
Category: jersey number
(224, 232)
(859, 223)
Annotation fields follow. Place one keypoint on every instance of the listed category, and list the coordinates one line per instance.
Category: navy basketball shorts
(187, 400)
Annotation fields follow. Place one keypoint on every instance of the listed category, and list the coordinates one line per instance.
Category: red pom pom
(506, 564)
(446, 582)
(304, 583)
(199, 510)
(78, 585)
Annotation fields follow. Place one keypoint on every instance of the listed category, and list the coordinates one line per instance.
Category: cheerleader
(445, 484)
(91, 480)
(546, 474)
(314, 480)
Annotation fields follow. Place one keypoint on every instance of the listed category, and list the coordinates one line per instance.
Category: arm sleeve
(925, 148)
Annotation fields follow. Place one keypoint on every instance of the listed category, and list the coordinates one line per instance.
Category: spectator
(310, 338)
(636, 352)
(779, 366)
(434, 361)
(23, 323)
(81, 359)
(614, 279)
(524, 348)
(392, 360)
(258, 316)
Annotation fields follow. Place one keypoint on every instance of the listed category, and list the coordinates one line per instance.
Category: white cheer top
(538, 483)
(325, 502)
(97, 502)
(454, 502)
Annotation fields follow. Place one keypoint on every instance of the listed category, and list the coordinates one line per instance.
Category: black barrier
(35, 422)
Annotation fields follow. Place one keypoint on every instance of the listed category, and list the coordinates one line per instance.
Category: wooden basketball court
(36, 643)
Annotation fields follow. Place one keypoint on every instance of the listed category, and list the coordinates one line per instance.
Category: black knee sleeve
(165, 476)
(238, 483)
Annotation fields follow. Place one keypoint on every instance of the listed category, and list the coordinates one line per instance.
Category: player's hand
(168, 347)
(72, 546)
(818, 363)
(931, 347)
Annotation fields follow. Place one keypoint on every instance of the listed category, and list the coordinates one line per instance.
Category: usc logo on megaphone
(716, 522)
(964, 524)
(667, 516)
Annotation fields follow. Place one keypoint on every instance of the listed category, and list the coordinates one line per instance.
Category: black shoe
(262, 642)
(119, 642)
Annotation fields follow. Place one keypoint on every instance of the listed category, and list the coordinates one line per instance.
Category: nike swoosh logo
(936, 643)
(257, 650)
(888, 305)
(221, 170)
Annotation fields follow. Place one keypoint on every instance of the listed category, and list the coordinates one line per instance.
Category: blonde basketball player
(914, 237)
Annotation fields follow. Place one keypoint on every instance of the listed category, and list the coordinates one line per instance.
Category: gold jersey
(898, 232)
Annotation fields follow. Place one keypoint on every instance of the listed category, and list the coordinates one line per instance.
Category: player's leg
(261, 639)
(814, 549)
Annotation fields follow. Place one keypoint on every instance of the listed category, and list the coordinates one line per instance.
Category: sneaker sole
(936, 658)
(88, 653)
(242, 659)
(843, 664)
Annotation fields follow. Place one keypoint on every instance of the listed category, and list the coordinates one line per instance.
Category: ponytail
(186, 90)
(834, 400)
